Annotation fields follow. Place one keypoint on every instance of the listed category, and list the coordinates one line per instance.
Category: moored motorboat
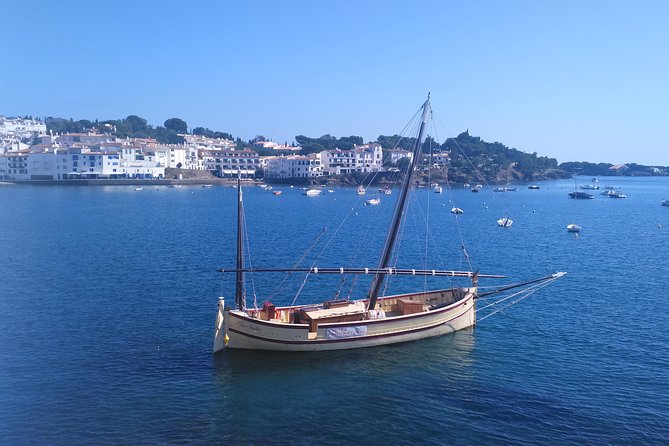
(457, 211)
(504, 189)
(616, 194)
(573, 227)
(580, 195)
(373, 202)
(312, 192)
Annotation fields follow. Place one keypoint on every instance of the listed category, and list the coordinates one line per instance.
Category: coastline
(128, 182)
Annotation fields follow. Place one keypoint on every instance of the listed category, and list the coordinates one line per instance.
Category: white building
(84, 139)
(275, 146)
(440, 158)
(171, 156)
(18, 128)
(364, 158)
(230, 163)
(294, 166)
(4, 159)
(394, 155)
(15, 165)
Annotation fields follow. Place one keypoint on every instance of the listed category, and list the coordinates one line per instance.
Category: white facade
(440, 158)
(394, 155)
(170, 156)
(84, 139)
(20, 128)
(61, 164)
(16, 165)
(229, 164)
(365, 158)
(3, 166)
(294, 166)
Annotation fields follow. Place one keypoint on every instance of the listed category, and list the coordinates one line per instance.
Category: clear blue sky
(574, 80)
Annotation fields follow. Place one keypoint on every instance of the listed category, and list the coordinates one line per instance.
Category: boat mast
(239, 290)
(399, 211)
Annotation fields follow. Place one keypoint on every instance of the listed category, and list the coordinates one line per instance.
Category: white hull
(240, 331)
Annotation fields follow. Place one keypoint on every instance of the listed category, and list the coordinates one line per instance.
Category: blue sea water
(108, 299)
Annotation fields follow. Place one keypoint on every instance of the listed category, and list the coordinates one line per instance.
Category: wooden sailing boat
(345, 324)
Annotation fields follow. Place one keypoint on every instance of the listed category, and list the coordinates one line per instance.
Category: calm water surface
(108, 299)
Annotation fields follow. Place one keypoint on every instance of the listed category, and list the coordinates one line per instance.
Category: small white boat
(466, 185)
(437, 189)
(616, 194)
(138, 188)
(312, 192)
(457, 211)
(573, 227)
(174, 186)
(330, 191)
(533, 187)
(504, 222)
(504, 189)
(665, 202)
(361, 190)
(207, 185)
(386, 191)
(373, 202)
(276, 192)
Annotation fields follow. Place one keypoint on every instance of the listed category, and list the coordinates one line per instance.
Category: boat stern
(221, 328)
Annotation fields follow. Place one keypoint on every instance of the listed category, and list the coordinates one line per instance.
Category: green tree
(135, 124)
(203, 132)
(167, 136)
(176, 124)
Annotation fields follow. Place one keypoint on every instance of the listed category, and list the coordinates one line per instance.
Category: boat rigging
(342, 323)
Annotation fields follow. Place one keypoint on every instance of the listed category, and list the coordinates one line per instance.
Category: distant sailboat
(580, 195)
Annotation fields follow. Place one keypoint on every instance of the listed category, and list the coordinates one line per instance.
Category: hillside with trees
(470, 158)
(132, 126)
